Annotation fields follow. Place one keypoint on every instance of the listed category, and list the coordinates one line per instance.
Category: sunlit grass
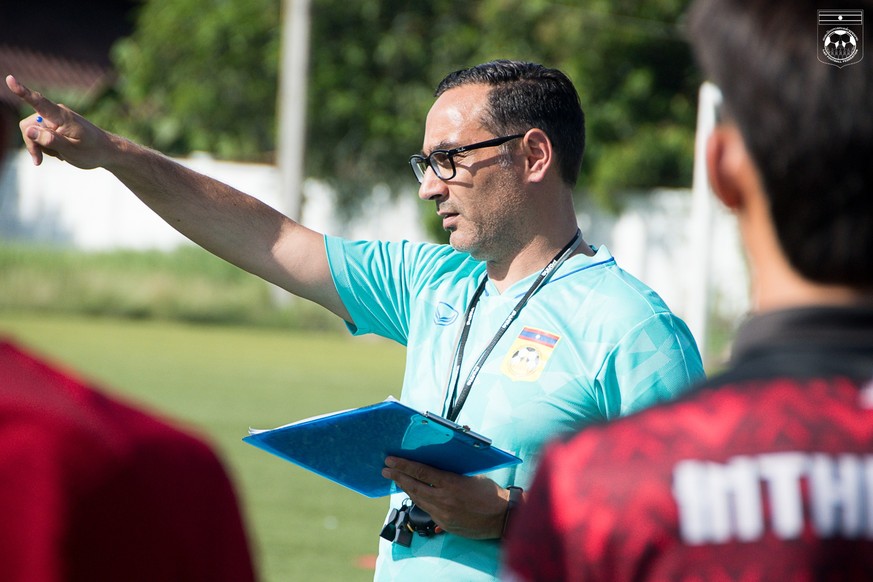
(187, 284)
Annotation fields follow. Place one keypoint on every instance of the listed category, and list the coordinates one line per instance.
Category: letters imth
(784, 493)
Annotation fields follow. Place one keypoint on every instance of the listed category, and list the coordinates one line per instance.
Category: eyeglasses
(443, 161)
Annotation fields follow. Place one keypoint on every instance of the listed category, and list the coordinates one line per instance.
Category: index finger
(40, 104)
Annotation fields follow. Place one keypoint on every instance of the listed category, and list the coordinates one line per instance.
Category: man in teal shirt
(591, 344)
(519, 328)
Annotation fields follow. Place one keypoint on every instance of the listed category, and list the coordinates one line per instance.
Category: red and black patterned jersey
(764, 473)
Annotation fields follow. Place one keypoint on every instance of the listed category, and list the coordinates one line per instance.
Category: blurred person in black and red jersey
(766, 473)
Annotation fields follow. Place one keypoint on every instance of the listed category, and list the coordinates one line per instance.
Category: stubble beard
(495, 234)
(490, 242)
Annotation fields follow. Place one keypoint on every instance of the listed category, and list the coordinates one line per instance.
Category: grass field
(218, 381)
(186, 284)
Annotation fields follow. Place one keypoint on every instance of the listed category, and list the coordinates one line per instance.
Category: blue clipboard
(350, 447)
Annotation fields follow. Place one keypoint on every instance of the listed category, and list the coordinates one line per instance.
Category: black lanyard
(456, 405)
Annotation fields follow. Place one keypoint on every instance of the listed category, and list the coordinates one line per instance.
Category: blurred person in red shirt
(92, 489)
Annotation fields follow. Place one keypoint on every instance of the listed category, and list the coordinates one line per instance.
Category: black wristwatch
(514, 501)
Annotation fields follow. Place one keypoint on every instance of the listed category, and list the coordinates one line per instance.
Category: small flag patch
(541, 337)
(528, 354)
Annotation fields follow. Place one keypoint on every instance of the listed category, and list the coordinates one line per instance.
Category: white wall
(91, 210)
(652, 238)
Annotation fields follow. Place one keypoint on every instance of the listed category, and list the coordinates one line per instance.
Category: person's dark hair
(808, 126)
(527, 95)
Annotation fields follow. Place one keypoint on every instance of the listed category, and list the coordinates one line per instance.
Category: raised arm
(221, 219)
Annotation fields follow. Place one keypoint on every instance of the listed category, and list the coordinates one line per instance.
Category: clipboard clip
(478, 439)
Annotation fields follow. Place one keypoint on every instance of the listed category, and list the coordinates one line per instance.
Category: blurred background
(314, 106)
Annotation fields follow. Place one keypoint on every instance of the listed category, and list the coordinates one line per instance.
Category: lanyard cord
(456, 405)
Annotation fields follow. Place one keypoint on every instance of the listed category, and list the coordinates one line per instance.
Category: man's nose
(431, 186)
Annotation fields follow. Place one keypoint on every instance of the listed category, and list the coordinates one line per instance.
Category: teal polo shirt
(592, 344)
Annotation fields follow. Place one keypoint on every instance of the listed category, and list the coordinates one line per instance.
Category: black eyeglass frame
(420, 163)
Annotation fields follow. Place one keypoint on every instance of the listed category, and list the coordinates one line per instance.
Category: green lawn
(218, 381)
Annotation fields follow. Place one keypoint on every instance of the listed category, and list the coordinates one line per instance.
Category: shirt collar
(808, 328)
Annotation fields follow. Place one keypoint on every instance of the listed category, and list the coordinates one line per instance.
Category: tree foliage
(198, 75)
(202, 74)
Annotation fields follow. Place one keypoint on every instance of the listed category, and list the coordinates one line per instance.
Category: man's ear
(728, 166)
(539, 155)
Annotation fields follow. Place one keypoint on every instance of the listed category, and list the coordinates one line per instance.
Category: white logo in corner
(841, 35)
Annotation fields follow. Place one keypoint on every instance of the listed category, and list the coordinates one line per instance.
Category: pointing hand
(58, 131)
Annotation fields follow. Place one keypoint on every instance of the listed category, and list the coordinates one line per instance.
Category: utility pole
(291, 108)
(699, 300)
(293, 72)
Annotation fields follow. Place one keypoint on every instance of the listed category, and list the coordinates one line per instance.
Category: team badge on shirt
(445, 314)
(528, 355)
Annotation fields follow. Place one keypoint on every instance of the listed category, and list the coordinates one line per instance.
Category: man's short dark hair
(808, 126)
(527, 95)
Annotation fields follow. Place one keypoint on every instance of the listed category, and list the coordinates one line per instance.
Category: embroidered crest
(528, 354)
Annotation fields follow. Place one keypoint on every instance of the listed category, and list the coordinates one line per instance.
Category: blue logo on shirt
(445, 314)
